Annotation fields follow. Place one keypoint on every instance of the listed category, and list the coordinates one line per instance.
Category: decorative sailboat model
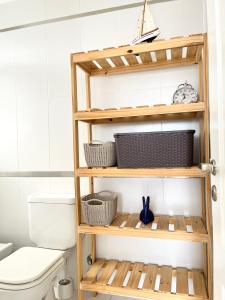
(147, 30)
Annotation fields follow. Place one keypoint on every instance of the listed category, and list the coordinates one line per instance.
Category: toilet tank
(52, 220)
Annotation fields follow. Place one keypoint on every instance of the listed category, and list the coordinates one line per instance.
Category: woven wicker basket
(99, 208)
(100, 154)
(155, 149)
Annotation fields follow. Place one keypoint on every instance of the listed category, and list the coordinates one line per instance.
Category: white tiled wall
(36, 127)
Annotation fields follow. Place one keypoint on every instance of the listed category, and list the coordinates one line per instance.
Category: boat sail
(147, 30)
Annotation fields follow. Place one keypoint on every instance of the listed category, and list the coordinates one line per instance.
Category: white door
(216, 39)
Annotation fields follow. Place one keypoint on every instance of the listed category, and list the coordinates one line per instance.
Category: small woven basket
(100, 154)
(99, 208)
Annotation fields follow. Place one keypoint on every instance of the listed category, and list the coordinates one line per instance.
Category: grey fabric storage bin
(99, 208)
(100, 155)
(155, 149)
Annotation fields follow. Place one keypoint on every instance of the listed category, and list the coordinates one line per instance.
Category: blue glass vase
(146, 215)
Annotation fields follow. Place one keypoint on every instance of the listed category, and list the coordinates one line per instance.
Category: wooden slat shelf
(168, 53)
(141, 113)
(164, 227)
(154, 172)
(148, 281)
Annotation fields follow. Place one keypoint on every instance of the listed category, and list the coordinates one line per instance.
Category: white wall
(19, 12)
(36, 131)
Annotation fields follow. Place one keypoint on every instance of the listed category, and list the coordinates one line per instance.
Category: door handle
(214, 193)
(209, 167)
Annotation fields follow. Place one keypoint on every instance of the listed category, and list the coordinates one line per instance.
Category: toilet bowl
(31, 272)
(5, 249)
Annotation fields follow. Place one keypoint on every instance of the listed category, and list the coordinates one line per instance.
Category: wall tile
(13, 208)
(62, 39)
(178, 253)
(59, 8)
(14, 13)
(60, 134)
(11, 212)
(61, 185)
(131, 190)
(8, 133)
(88, 5)
(33, 134)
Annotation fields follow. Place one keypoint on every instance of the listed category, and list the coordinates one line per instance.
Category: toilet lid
(27, 264)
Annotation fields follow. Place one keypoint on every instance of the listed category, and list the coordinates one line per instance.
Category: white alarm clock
(185, 94)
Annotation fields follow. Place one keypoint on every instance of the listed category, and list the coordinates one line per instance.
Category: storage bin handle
(94, 202)
(95, 142)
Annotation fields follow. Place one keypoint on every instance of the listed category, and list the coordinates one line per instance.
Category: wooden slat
(110, 108)
(122, 270)
(198, 225)
(182, 281)
(150, 277)
(198, 56)
(181, 223)
(145, 57)
(117, 61)
(131, 59)
(163, 223)
(88, 66)
(94, 269)
(132, 220)
(126, 107)
(95, 109)
(191, 52)
(161, 55)
(173, 220)
(199, 284)
(119, 220)
(107, 272)
(103, 63)
(176, 53)
(135, 275)
(165, 279)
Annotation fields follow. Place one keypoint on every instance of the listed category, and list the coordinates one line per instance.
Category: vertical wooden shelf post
(77, 178)
(91, 179)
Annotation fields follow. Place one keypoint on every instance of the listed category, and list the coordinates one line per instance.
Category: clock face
(178, 97)
(185, 94)
(190, 96)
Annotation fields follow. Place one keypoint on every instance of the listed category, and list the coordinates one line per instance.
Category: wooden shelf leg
(80, 293)
(91, 179)
(77, 181)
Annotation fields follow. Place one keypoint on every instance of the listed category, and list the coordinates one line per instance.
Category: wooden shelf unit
(164, 227)
(176, 52)
(149, 281)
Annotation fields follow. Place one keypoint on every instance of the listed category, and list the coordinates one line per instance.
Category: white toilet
(30, 272)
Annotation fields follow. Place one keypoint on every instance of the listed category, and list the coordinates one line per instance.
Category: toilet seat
(28, 266)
